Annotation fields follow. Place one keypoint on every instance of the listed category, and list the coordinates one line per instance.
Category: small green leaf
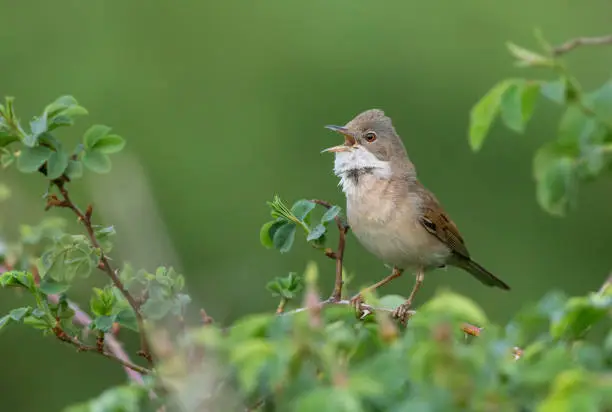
(18, 314)
(555, 90)
(517, 104)
(38, 126)
(331, 213)
(601, 102)
(391, 302)
(111, 143)
(97, 161)
(556, 181)
(528, 58)
(318, 231)
(484, 113)
(103, 323)
(94, 134)
(127, 318)
(5, 320)
(302, 208)
(102, 302)
(51, 286)
(32, 158)
(156, 309)
(284, 236)
(580, 315)
(265, 237)
(461, 306)
(74, 170)
(6, 138)
(57, 163)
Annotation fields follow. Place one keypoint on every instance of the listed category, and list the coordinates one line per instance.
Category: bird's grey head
(371, 146)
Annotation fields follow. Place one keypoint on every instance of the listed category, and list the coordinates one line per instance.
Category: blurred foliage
(583, 147)
(317, 355)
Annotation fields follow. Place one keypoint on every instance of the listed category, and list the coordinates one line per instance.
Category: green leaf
(555, 90)
(554, 170)
(111, 143)
(580, 315)
(302, 208)
(601, 102)
(74, 170)
(103, 323)
(517, 104)
(38, 126)
(94, 134)
(250, 359)
(102, 302)
(5, 320)
(265, 233)
(97, 161)
(484, 113)
(328, 400)
(32, 158)
(156, 309)
(284, 236)
(460, 306)
(6, 138)
(18, 314)
(17, 278)
(318, 231)
(331, 213)
(50, 286)
(127, 318)
(57, 163)
(528, 58)
(391, 301)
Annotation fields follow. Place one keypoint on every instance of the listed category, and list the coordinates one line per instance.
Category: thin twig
(81, 347)
(366, 310)
(104, 265)
(581, 41)
(338, 255)
(114, 346)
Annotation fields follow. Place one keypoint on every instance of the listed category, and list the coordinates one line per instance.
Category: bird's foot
(403, 312)
(356, 302)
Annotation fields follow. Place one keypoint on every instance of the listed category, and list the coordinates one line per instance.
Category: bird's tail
(481, 273)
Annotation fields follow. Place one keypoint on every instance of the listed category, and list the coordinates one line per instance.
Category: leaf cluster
(582, 148)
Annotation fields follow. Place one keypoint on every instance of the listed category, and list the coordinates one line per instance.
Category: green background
(222, 104)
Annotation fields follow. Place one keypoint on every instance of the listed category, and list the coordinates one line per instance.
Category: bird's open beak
(349, 140)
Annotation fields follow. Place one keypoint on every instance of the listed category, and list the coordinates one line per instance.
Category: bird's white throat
(351, 166)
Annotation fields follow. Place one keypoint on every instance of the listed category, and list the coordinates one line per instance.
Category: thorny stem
(338, 255)
(104, 265)
(81, 347)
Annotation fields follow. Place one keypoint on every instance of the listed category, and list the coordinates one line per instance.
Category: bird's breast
(387, 224)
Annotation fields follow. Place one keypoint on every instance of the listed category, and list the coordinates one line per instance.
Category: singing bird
(390, 212)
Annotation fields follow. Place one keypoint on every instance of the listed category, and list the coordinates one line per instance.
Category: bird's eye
(370, 137)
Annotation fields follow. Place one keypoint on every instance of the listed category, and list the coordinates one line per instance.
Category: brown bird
(388, 209)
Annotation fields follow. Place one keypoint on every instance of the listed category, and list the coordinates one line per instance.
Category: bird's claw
(403, 312)
(356, 302)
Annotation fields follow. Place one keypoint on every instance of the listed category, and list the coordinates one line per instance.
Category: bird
(390, 212)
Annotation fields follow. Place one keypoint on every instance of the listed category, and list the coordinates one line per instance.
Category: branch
(81, 347)
(365, 310)
(104, 265)
(338, 255)
(581, 41)
(114, 346)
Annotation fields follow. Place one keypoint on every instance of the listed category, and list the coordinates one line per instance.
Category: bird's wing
(436, 221)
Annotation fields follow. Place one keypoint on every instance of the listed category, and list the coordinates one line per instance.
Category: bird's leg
(358, 299)
(402, 311)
